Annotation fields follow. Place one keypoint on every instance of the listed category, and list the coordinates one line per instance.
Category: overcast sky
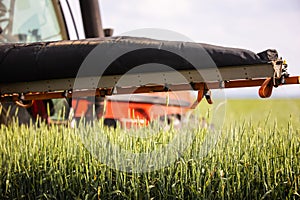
(252, 24)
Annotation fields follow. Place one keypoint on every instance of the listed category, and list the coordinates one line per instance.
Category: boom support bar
(142, 89)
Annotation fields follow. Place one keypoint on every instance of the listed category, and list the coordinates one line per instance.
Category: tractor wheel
(110, 123)
(10, 112)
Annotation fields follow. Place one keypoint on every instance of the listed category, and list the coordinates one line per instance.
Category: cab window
(28, 21)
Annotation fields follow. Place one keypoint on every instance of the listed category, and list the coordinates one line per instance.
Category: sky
(256, 25)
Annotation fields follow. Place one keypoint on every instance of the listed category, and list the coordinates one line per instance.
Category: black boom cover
(62, 59)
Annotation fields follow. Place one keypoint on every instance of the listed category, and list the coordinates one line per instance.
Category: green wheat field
(257, 156)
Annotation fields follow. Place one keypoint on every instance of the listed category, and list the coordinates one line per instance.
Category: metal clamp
(280, 72)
